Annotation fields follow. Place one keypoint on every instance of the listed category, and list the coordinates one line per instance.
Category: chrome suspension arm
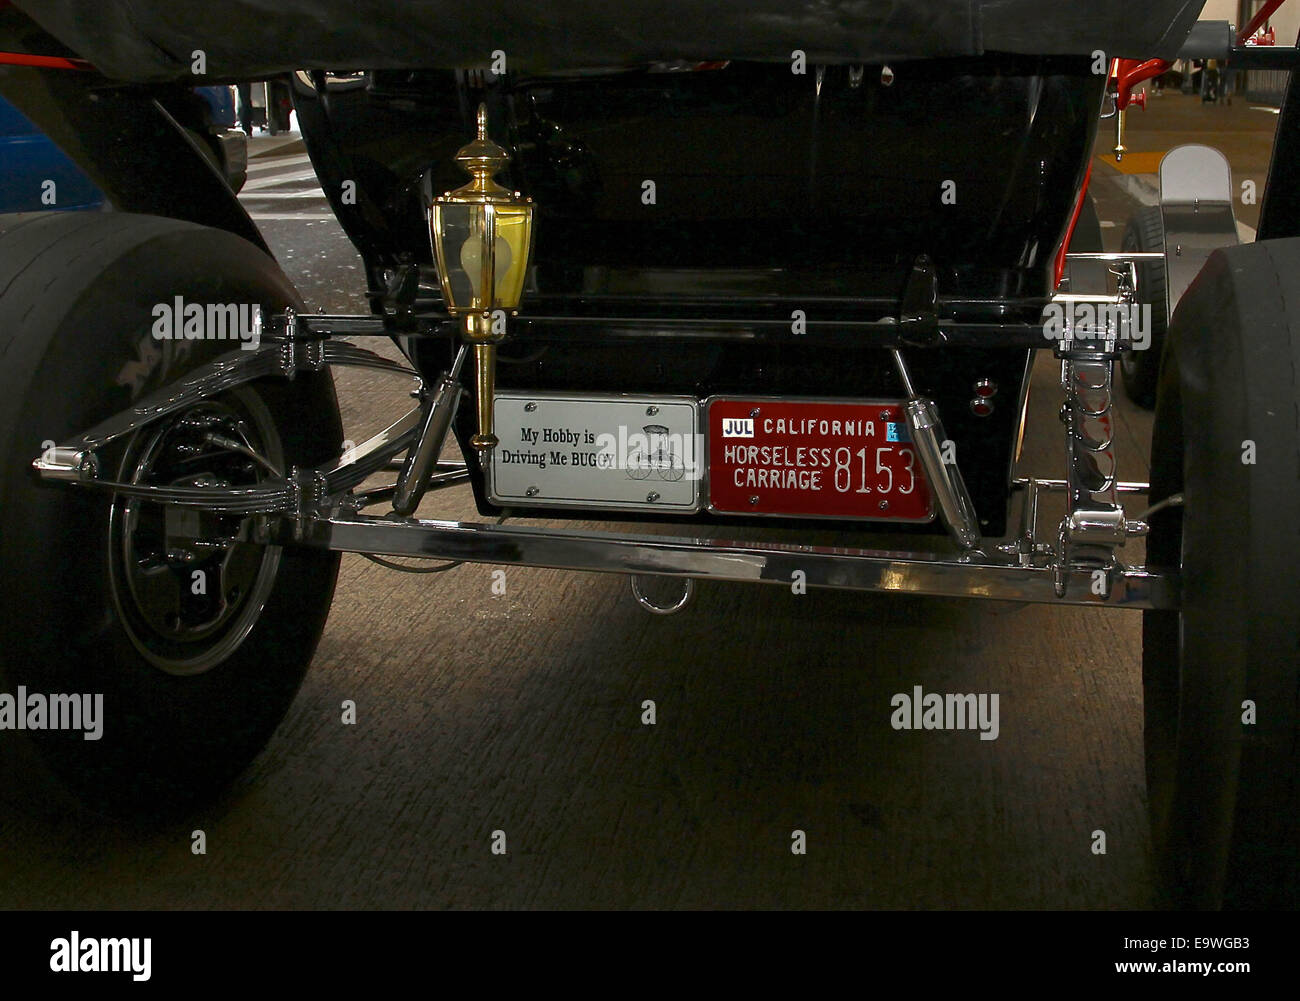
(77, 462)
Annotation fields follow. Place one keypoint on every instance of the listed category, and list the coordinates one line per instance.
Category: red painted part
(843, 460)
(1257, 21)
(1132, 72)
(47, 62)
(1069, 233)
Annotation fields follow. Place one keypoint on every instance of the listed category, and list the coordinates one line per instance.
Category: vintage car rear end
(740, 231)
(733, 267)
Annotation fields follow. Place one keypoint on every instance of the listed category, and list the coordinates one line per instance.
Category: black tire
(76, 298)
(211, 149)
(1224, 793)
(208, 147)
(1140, 370)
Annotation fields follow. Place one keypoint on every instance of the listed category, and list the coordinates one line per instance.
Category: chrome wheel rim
(189, 586)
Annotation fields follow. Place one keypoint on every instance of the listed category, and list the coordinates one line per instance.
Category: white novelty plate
(634, 453)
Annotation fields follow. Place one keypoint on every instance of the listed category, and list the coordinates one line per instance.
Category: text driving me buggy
(717, 267)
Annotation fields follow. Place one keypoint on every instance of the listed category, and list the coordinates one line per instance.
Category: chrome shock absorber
(926, 430)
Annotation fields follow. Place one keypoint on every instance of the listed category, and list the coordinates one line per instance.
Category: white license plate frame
(516, 478)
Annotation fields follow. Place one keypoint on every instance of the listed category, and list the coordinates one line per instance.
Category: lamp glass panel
(460, 229)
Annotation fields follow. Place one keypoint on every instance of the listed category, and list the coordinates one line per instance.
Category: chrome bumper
(970, 576)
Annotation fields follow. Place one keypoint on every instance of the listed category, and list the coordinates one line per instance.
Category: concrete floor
(521, 713)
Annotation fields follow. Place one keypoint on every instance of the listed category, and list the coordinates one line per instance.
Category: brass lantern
(483, 239)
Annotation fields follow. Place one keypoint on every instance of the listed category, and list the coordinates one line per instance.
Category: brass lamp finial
(482, 159)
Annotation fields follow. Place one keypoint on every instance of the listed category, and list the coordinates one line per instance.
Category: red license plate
(824, 459)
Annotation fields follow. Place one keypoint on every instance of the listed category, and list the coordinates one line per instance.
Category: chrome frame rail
(314, 507)
(970, 576)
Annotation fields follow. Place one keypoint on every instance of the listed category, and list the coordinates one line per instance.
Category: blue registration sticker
(891, 432)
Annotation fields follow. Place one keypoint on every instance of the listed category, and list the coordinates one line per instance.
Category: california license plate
(813, 459)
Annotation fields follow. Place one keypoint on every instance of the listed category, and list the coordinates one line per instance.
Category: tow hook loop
(687, 592)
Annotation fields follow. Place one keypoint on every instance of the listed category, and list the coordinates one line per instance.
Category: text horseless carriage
(713, 266)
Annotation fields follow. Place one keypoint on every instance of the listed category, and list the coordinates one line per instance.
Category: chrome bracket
(1095, 525)
(1102, 321)
(308, 493)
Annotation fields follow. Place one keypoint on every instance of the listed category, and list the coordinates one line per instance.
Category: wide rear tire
(192, 686)
(1221, 677)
